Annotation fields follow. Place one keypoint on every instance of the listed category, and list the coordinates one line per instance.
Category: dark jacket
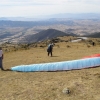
(50, 47)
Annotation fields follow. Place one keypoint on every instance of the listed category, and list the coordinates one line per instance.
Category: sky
(37, 8)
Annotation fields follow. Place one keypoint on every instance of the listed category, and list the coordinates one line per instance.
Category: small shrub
(68, 46)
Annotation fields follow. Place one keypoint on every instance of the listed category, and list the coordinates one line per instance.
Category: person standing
(50, 49)
(1, 59)
(93, 43)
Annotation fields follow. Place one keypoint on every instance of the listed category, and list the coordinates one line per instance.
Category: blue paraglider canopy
(59, 66)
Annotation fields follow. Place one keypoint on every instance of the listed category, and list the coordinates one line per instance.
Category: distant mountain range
(52, 33)
(53, 21)
(62, 15)
(78, 15)
(94, 35)
(45, 35)
(34, 31)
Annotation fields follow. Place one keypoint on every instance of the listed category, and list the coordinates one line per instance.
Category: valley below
(19, 31)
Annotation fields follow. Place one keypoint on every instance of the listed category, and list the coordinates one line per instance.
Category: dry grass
(84, 84)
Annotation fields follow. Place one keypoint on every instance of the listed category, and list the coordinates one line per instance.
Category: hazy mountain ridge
(61, 15)
(18, 31)
(45, 35)
(35, 23)
(94, 35)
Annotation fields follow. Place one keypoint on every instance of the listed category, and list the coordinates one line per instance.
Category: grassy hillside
(83, 84)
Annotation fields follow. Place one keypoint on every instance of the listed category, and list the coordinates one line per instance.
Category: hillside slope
(94, 35)
(45, 34)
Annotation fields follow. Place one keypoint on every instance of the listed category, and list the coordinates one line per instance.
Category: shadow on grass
(7, 70)
(54, 56)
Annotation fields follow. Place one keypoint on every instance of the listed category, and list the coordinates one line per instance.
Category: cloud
(47, 2)
(35, 2)
(46, 7)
